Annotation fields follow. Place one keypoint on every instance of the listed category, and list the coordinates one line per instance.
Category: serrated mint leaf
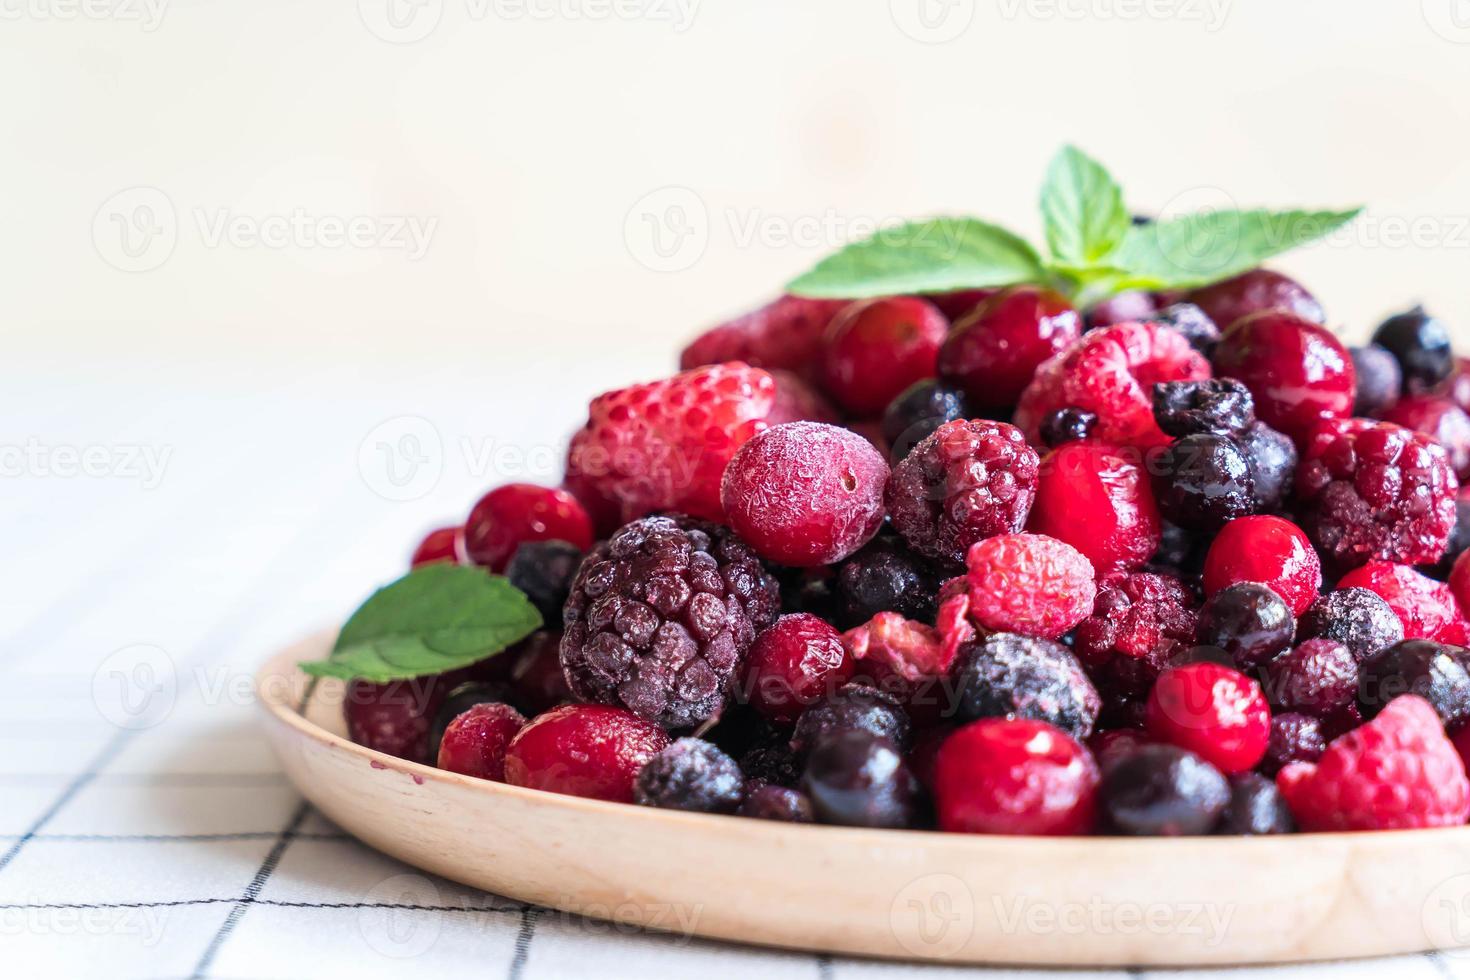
(436, 618)
(1082, 207)
(933, 256)
(1198, 249)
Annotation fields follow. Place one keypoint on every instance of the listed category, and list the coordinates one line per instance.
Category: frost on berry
(1029, 584)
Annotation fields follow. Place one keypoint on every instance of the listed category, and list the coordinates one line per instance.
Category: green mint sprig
(1093, 248)
(438, 617)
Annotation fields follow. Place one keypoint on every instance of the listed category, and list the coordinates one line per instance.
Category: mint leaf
(1082, 206)
(436, 618)
(1202, 248)
(933, 256)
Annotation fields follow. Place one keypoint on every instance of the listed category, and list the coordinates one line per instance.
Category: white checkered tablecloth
(158, 839)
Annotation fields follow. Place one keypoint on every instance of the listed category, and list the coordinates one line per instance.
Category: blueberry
(691, 774)
(1163, 791)
(1249, 621)
(1273, 459)
(851, 707)
(1434, 671)
(1255, 808)
(1194, 323)
(1421, 345)
(1203, 481)
(886, 576)
(1459, 541)
(1067, 425)
(1360, 620)
(543, 570)
(1010, 676)
(859, 779)
(1380, 380)
(920, 409)
(777, 803)
(1184, 408)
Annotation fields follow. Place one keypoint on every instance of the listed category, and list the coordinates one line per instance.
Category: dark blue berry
(852, 707)
(1273, 459)
(544, 570)
(1162, 791)
(1434, 671)
(777, 803)
(885, 576)
(1194, 323)
(1294, 738)
(1360, 620)
(1006, 675)
(1255, 808)
(691, 774)
(1067, 425)
(1249, 621)
(1203, 481)
(922, 407)
(1421, 345)
(1459, 541)
(858, 779)
(1380, 380)
(1221, 405)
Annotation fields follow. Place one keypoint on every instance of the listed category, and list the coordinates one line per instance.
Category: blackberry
(1067, 425)
(1255, 808)
(456, 702)
(1137, 615)
(777, 803)
(967, 481)
(1273, 462)
(1434, 671)
(1194, 323)
(1359, 619)
(1162, 791)
(858, 779)
(1317, 678)
(885, 577)
(1294, 738)
(543, 570)
(1220, 405)
(1380, 379)
(661, 614)
(1249, 621)
(1009, 676)
(1421, 345)
(691, 774)
(772, 764)
(914, 415)
(851, 707)
(1203, 481)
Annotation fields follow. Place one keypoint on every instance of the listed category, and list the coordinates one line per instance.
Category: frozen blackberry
(859, 779)
(1249, 621)
(1255, 808)
(777, 803)
(1380, 380)
(914, 415)
(1294, 738)
(885, 577)
(1067, 425)
(1163, 791)
(1009, 676)
(1434, 671)
(1421, 345)
(1273, 461)
(772, 763)
(852, 707)
(1203, 481)
(691, 774)
(1194, 323)
(1318, 678)
(660, 615)
(1220, 405)
(1359, 619)
(967, 481)
(543, 570)
(1137, 615)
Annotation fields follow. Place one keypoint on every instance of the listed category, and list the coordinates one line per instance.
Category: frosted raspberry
(1138, 615)
(1426, 608)
(1029, 584)
(782, 335)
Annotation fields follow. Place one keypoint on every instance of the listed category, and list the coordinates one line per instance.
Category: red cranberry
(793, 664)
(874, 350)
(960, 303)
(474, 744)
(586, 750)
(805, 494)
(395, 718)
(1255, 291)
(1441, 420)
(1297, 371)
(785, 334)
(440, 544)
(993, 353)
(1215, 712)
(1099, 501)
(508, 516)
(999, 776)
(1269, 550)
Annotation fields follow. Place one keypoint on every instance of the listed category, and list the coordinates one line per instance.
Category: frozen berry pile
(984, 561)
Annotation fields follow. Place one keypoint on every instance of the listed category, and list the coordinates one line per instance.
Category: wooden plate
(898, 894)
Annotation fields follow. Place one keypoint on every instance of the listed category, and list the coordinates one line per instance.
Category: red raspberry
(1254, 291)
(1441, 420)
(395, 718)
(798, 401)
(1099, 501)
(994, 352)
(793, 664)
(1029, 584)
(509, 516)
(440, 544)
(1140, 616)
(1318, 678)
(1427, 608)
(966, 481)
(888, 646)
(474, 744)
(998, 776)
(1215, 712)
(1294, 738)
(1297, 371)
(782, 335)
(1112, 372)
(1398, 772)
(583, 750)
(805, 494)
(663, 446)
(873, 350)
(1269, 550)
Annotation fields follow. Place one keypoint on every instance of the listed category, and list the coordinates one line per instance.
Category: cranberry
(793, 664)
(873, 350)
(509, 516)
(1421, 345)
(961, 303)
(1318, 678)
(1297, 371)
(1269, 550)
(474, 744)
(395, 718)
(805, 494)
(589, 750)
(1460, 580)
(797, 401)
(1294, 738)
(1255, 291)
(1427, 609)
(999, 776)
(785, 334)
(1127, 306)
(441, 544)
(993, 353)
(859, 779)
(461, 699)
(1213, 711)
(1162, 791)
(1380, 380)
(1441, 420)
(922, 407)
(1098, 500)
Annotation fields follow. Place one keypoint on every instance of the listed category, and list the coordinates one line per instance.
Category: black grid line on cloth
(99, 761)
(824, 966)
(517, 909)
(524, 938)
